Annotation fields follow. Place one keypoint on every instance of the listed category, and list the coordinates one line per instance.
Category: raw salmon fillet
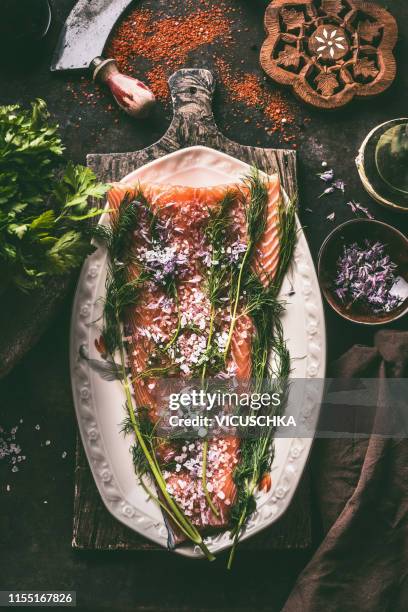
(182, 214)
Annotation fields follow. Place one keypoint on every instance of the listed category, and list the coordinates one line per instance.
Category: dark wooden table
(35, 537)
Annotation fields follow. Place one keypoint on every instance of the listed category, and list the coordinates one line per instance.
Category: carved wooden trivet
(330, 50)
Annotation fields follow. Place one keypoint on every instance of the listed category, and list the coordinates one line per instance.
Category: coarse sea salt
(10, 450)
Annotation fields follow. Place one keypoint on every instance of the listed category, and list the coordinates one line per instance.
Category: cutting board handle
(192, 92)
(193, 124)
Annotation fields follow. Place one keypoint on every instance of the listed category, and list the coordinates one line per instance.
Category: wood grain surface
(193, 124)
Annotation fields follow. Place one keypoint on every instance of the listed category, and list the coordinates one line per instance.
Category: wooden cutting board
(193, 124)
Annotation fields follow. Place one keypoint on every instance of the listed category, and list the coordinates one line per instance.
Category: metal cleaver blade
(85, 33)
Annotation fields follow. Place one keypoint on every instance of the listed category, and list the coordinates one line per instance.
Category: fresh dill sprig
(117, 236)
(147, 429)
(270, 366)
(256, 208)
(216, 231)
(217, 279)
(255, 215)
(287, 240)
(218, 276)
(257, 453)
(120, 293)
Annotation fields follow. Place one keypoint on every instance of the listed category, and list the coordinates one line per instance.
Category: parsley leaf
(44, 204)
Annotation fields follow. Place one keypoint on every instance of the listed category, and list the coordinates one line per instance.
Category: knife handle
(133, 96)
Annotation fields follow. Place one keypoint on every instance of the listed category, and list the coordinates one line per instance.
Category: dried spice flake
(166, 42)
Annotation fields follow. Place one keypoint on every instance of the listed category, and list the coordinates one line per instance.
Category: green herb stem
(265, 309)
(153, 371)
(236, 301)
(204, 480)
(209, 340)
(177, 332)
(188, 528)
(237, 533)
(205, 443)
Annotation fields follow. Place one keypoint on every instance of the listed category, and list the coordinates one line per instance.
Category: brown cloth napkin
(361, 487)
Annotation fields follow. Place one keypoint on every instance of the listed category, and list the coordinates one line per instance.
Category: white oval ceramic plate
(99, 403)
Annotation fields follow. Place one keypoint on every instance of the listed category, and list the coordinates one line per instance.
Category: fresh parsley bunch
(43, 202)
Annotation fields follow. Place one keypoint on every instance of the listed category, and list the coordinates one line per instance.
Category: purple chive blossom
(327, 176)
(356, 208)
(339, 184)
(235, 251)
(367, 275)
(163, 262)
(205, 253)
(326, 191)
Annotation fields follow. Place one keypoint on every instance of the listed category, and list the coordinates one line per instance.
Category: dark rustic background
(36, 513)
